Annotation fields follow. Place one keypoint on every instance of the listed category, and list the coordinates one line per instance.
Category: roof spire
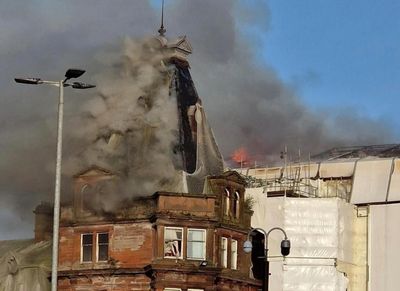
(162, 30)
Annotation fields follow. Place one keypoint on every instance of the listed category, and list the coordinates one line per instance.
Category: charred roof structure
(154, 134)
(199, 151)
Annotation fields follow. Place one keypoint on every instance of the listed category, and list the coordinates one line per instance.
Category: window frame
(236, 204)
(234, 254)
(227, 198)
(94, 251)
(82, 246)
(204, 249)
(98, 246)
(224, 252)
(181, 240)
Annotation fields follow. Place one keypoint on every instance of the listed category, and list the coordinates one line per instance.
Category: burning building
(186, 236)
(152, 208)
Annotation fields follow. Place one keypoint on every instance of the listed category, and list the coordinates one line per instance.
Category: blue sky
(338, 53)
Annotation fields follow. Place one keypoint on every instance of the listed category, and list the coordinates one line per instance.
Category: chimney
(43, 221)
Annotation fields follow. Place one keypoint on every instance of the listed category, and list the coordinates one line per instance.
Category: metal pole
(71, 73)
(56, 218)
(266, 235)
(266, 275)
(266, 265)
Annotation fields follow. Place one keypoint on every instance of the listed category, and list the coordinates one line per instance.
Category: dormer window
(227, 202)
(235, 206)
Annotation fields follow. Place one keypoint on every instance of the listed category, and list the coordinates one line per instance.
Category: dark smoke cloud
(247, 104)
(44, 38)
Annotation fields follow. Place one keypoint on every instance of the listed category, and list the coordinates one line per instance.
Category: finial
(162, 30)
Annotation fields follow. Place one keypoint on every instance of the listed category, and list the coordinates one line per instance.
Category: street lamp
(285, 249)
(70, 74)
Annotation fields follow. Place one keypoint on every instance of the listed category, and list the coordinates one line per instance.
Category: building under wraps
(341, 212)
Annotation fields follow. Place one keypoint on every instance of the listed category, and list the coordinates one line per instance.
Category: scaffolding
(299, 180)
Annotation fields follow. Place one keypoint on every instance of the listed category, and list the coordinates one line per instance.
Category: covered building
(340, 211)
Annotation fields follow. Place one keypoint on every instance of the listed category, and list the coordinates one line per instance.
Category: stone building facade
(188, 235)
(167, 241)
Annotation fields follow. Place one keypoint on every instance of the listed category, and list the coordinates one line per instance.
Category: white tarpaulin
(312, 225)
(319, 233)
(306, 170)
(384, 251)
(336, 169)
(317, 227)
(302, 170)
(371, 181)
(394, 188)
(313, 278)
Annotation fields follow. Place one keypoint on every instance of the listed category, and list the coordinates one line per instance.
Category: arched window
(85, 197)
(236, 199)
(91, 196)
(227, 201)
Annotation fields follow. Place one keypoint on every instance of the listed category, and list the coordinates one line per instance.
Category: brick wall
(194, 205)
(105, 283)
(130, 246)
(136, 241)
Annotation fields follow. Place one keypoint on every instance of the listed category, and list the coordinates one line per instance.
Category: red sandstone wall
(130, 246)
(105, 283)
(196, 206)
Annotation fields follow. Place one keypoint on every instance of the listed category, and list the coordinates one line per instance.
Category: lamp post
(70, 74)
(285, 250)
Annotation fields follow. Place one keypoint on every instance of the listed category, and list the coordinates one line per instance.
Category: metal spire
(162, 30)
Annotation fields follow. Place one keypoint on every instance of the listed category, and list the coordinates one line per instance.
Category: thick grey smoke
(245, 101)
(130, 126)
(43, 39)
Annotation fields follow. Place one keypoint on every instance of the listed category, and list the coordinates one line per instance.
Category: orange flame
(240, 155)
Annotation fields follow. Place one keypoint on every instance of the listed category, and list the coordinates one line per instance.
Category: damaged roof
(356, 152)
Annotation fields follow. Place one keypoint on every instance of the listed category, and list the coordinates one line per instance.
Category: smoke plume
(130, 126)
(246, 102)
(249, 106)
